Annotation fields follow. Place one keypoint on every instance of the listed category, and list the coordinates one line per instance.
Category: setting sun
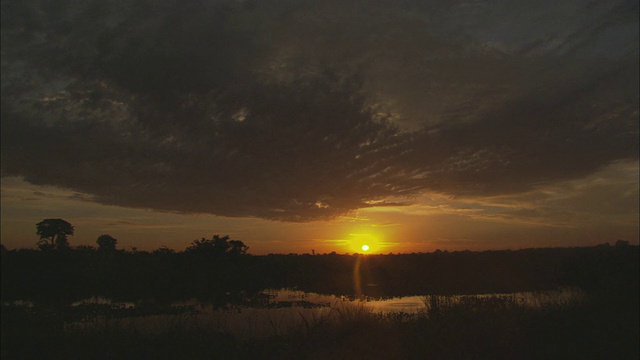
(364, 241)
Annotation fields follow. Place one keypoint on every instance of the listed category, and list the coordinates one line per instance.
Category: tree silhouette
(621, 242)
(217, 245)
(53, 234)
(106, 243)
(164, 250)
(87, 249)
(237, 247)
(62, 243)
(221, 244)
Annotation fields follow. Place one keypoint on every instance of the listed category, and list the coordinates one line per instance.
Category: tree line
(54, 235)
(217, 269)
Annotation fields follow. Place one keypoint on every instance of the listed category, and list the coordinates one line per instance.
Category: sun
(364, 241)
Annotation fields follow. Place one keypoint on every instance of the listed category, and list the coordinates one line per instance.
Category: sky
(321, 125)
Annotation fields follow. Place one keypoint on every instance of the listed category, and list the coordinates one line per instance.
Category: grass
(450, 327)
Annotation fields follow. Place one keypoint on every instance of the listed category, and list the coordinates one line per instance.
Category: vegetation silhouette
(220, 272)
(53, 234)
(218, 245)
(106, 243)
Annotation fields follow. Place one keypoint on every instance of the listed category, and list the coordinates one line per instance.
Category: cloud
(303, 110)
(609, 196)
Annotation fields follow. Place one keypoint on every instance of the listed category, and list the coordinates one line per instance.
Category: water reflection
(296, 299)
(409, 304)
(99, 300)
(278, 311)
(414, 304)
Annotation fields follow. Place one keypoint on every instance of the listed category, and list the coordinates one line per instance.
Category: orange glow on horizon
(364, 242)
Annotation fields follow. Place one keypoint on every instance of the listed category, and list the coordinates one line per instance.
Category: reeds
(450, 327)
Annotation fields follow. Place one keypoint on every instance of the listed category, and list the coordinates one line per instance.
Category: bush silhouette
(106, 243)
(218, 245)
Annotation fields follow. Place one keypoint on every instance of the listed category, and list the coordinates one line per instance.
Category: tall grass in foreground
(472, 327)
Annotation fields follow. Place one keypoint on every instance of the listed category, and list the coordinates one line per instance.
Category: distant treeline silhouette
(224, 277)
(220, 271)
(54, 232)
(601, 325)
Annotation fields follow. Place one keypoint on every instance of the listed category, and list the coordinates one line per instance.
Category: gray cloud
(302, 110)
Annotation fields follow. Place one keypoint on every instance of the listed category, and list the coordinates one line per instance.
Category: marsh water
(548, 303)
(277, 311)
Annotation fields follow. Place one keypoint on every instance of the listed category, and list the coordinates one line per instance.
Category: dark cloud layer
(302, 110)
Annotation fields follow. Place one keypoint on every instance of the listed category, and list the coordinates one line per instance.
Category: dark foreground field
(38, 321)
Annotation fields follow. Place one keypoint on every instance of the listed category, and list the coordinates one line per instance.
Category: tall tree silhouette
(53, 234)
